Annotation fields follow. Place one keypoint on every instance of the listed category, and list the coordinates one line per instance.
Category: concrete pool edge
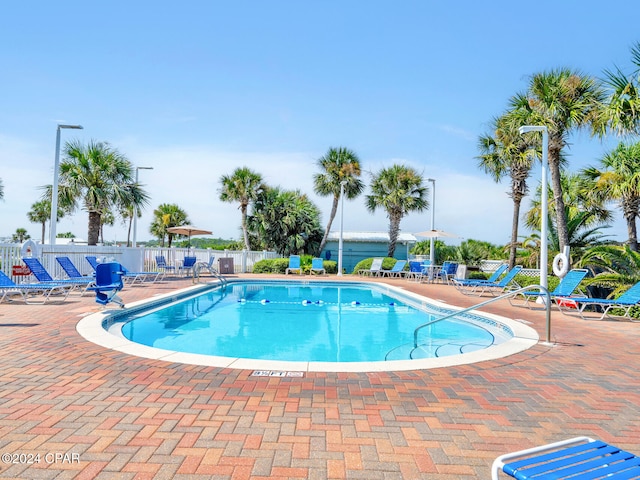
(91, 329)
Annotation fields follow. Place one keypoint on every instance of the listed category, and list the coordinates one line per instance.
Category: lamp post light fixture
(135, 213)
(340, 241)
(432, 241)
(543, 198)
(53, 220)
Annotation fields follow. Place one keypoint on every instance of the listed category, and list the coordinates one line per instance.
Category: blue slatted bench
(576, 458)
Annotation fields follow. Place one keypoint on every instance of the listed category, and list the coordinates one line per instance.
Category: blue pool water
(324, 322)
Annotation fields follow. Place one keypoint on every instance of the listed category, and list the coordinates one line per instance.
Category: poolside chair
(71, 270)
(628, 299)
(108, 283)
(206, 266)
(417, 269)
(163, 266)
(187, 265)
(317, 266)
(41, 274)
(93, 261)
(506, 283)
(469, 283)
(140, 277)
(374, 271)
(565, 289)
(447, 272)
(580, 457)
(294, 264)
(27, 290)
(396, 271)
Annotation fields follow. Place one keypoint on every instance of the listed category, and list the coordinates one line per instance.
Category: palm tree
(100, 178)
(41, 213)
(620, 180)
(20, 236)
(337, 165)
(243, 186)
(621, 112)
(286, 221)
(614, 267)
(508, 153)
(586, 215)
(563, 100)
(398, 190)
(165, 216)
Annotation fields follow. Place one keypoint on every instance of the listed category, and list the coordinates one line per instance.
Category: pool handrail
(482, 304)
(212, 270)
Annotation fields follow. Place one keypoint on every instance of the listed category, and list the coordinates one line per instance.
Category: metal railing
(495, 299)
(212, 270)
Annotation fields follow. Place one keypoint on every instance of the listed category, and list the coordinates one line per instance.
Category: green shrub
(525, 281)
(262, 266)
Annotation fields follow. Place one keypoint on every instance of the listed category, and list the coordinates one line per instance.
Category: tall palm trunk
(245, 231)
(555, 145)
(94, 228)
(394, 230)
(513, 247)
(630, 210)
(332, 215)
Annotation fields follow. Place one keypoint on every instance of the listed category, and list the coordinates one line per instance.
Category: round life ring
(30, 249)
(560, 265)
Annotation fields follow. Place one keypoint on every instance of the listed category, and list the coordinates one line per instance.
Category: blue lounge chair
(470, 283)
(71, 270)
(140, 277)
(396, 271)
(580, 457)
(317, 266)
(27, 290)
(108, 283)
(93, 261)
(374, 271)
(447, 272)
(565, 289)
(628, 299)
(163, 266)
(41, 274)
(506, 283)
(187, 265)
(294, 264)
(418, 269)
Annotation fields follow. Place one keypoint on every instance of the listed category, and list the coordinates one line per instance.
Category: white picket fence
(135, 259)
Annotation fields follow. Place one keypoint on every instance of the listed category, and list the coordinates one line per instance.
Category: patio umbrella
(436, 234)
(188, 230)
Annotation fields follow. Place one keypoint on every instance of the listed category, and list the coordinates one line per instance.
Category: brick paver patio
(71, 409)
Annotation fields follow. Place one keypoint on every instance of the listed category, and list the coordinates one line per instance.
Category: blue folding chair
(108, 283)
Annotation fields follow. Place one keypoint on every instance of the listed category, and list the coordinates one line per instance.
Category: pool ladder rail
(212, 270)
(539, 288)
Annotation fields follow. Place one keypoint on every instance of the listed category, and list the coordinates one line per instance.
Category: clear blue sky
(197, 88)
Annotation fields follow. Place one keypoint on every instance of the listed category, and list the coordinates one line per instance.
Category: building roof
(379, 237)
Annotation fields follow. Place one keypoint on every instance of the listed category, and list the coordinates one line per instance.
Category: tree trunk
(513, 248)
(394, 230)
(332, 215)
(245, 233)
(630, 211)
(94, 228)
(556, 186)
(129, 230)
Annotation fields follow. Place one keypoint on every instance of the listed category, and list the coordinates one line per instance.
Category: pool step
(432, 350)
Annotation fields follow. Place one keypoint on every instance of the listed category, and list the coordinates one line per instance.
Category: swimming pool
(317, 322)
(308, 326)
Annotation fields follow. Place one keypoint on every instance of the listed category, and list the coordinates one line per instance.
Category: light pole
(135, 211)
(544, 198)
(432, 240)
(342, 184)
(53, 220)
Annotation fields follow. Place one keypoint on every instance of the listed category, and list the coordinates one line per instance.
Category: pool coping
(91, 329)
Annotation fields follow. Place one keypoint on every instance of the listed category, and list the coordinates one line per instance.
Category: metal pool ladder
(199, 266)
(482, 304)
